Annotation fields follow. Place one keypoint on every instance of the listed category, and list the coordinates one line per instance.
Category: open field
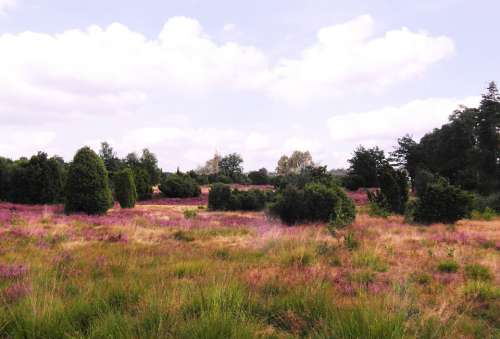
(156, 271)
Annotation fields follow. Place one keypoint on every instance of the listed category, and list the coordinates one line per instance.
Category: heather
(183, 271)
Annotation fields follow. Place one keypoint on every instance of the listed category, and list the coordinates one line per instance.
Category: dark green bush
(442, 202)
(222, 198)
(393, 194)
(179, 186)
(125, 190)
(423, 179)
(87, 187)
(315, 203)
(448, 266)
(142, 184)
(353, 182)
(39, 180)
(219, 197)
(260, 177)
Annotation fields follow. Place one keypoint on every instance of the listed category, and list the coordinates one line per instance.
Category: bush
(423, 178)
(353, 182)
(260, 177)
(125, 190)
(492, 202)
(142, 184)
(222, 198)
(179, 186)
(87, 187)
(477, 272)
(190, 213)
(442, 202)
(316, 202)
(448, 266)
(393, 194)
(219, 197)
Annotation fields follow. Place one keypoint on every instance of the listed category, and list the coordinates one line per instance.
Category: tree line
(454, 166)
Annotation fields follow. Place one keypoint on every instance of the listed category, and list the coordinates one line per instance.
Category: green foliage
(366, 164)
(393, 193)
(39, 180)
(179, 186)
(487, 215)
(190, 213)
(448, 266)
(260, 177)
(315, 203)
(87, 188)
(125, 190)
(222, 198)
(219, 197)
(478, 272)
(230, 166)
(350, 242)
(442, 202)
(142, 184)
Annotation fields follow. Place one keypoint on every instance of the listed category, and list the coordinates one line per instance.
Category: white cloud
(115, 69)
(15, 141)
(6, 5)
(113, 82)
(347, 58)
(228, 28)
(386, 124)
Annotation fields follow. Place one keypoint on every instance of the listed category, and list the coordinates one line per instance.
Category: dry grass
(277, 281)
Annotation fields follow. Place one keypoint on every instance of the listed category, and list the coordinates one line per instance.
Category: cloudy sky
(261, 78)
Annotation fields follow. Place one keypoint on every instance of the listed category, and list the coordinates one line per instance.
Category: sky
(260, 78)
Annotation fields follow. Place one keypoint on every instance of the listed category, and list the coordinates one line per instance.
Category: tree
(38, 180)
(142, 184)
(211, 166)
(108, 156)
(442, 202)
(260, 177)
(294, 164)
(407, 156)
(314, 203)
(179, 186)
(488, 136)
(5, 177)
(150, 163)
(366, 164)
(87, 187)
(230, 165)
(393, 193)
(125, 190)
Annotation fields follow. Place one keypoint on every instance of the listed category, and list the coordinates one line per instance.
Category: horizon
(264, 79)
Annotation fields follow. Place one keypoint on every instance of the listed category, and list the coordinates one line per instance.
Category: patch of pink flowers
(13, 271)
(15, 292)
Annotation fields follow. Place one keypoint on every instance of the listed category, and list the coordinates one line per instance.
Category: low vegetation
(181, 272)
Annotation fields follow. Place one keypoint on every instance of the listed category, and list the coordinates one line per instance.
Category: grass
(212, 276)
(448, 266)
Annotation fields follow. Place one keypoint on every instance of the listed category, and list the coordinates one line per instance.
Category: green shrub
(351, 243)
(442, 202)
(219, 197)
(488, 214)
(142, 184)
(477, 272)
(448, 266)
(222, 198)
(260, 177)
(87, 187)
(315, 203)
(179, 186)
(190, 213)
(125, 190)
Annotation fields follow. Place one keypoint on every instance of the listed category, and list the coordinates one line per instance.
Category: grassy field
(176, 271)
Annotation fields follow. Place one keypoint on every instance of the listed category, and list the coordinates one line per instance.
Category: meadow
(170, 268)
